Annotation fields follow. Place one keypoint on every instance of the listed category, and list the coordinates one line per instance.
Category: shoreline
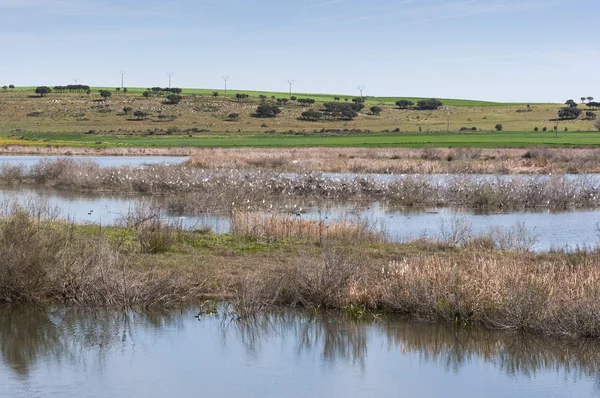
(151, 264)
(535, 160)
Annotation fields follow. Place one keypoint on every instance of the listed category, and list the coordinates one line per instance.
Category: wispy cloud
(328, 3)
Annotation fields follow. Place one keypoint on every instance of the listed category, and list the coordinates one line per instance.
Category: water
(67, 353)
(551, 230)
(102, 161)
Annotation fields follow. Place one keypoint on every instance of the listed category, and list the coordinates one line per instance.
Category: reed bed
(281, 225)
(199, 189)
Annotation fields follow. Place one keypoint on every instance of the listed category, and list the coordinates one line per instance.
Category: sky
(498, 50)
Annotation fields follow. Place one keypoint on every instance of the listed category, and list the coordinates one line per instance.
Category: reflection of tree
(29, 333)
(512, 353)
(338, 339)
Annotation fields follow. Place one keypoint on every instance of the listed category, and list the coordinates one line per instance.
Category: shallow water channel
(60, 352)
(551, 230)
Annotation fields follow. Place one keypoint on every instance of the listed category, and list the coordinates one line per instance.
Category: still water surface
(102, 353)
(551, 229)
(102, 161)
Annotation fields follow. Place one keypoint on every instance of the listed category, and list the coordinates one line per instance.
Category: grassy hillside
(316, 96)
(203, 120)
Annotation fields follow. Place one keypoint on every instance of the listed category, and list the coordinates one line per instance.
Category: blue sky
(504, 50)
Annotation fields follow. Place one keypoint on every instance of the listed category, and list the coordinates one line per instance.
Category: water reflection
(97, 343)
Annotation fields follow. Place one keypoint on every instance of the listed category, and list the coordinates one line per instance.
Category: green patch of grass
(415, 140)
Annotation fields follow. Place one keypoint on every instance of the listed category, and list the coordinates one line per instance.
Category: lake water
(551, 230)
(103, 161)
(67, 353)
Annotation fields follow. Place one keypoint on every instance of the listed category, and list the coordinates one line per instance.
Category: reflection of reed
(30, 333)
(340, 340)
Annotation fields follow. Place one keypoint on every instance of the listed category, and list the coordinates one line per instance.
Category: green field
(316, 96)
(228, 140)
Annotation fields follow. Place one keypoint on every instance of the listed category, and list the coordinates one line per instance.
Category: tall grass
(52, 260)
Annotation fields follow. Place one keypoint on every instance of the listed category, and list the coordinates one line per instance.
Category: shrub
(105, 94)
(430, 104)
(569, 113)
(536, 129)
(267, 110)
(499, 127)
(376, 110)
(545, 129)
(34, 114)
(311, 115)
(140, 114)
(43, 90)
(127, 109)
(233, 116)
(173, 99)
(404, 104)
(306, 101)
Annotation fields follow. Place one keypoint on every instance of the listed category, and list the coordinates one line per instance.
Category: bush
(404, 104)
(105, 94)
(127, 109)
(267, 110)
(376, 110)
(233, 116)
(499, 127)
(306, 101)
(34, 114)
(536, 129)
(311, 115)
(140, 114)
(545, 129)
(431, 104)
(43, 90)
(173, 99)
(569, 113)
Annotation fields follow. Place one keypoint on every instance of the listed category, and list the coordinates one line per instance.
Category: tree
(43, 90)
(293, 98)
(241, 97)
(127, 109)
(536, 129)
(582, 100)
(125, 89)
(118, 89)
(88, 91)
(404, 104)
(311, 115)
(306, 101)
(358, 100)
(571, 103)
(342, 110)
(590, 115)
(173, 99)
(569, 113)
(336, 99)
(590, 99)
(430, 104)
(267, 109)
(146, 94)
(11, 86)
(282, 100)
(215, 94)
(499, 127)
(376, 110)
(262, 97)
(140, 114)
(4, 88)
(105, 94)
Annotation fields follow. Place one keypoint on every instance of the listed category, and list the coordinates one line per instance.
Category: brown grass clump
(277, 225)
